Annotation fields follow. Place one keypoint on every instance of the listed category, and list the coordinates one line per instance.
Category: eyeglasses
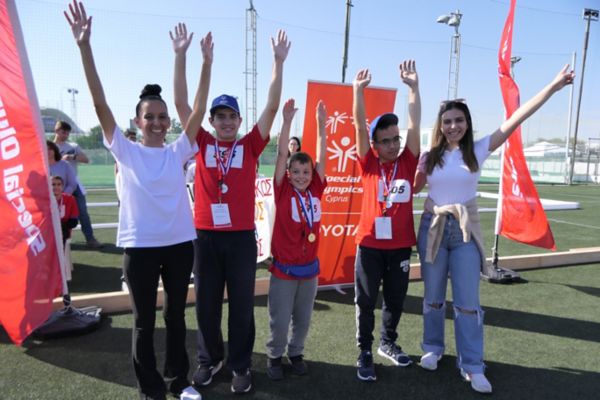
(389, 141)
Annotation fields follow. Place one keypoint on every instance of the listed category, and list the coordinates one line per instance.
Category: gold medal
(312, 237)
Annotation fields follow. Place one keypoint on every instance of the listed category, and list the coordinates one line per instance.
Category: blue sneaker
(394, 354)
(365, 370)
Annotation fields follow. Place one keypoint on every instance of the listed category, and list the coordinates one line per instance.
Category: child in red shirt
(385, 232)
(295, 268)
(67, 208)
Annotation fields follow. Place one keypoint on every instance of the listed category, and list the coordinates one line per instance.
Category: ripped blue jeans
(461, 262)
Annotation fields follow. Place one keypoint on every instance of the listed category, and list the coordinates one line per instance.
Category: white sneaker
(429, 361)
(479, 382)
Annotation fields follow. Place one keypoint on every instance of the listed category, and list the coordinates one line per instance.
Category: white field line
(560, 221)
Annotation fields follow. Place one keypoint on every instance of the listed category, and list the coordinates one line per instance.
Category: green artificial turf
(542, 342)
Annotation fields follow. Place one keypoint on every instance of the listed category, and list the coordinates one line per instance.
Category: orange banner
(342, 198)
(522, 217)
(30, 270)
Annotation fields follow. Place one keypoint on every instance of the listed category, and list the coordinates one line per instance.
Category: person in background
(155, 220)
(449, 240)
(73, 154)
(67, 208)
(299, 185)
(294, 145)
(61, 168)
(385, 233)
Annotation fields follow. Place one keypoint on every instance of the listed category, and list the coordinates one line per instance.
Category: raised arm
(195, 119)
(181, 42)
(361, 81)
(408, 74)
(563, 78)
(321, 139)
(289, 110)
(81, 26)
(280, 47)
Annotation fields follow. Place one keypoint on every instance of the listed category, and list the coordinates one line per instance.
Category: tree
(93, 140)
(176, 126)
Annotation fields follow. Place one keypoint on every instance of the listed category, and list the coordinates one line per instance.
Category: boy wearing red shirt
(385, 232)
(295, 268)
(225, 252)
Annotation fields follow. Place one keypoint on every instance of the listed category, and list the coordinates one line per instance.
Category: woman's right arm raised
(81, 26)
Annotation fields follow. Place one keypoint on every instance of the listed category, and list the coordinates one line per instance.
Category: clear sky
(132, 47)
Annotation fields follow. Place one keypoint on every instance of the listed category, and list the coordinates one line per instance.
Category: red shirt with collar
(401, 210)
(289, 243)
(240, 180)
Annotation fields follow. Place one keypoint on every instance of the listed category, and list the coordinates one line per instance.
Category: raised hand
(281, 46)
(181, 40)
(408, 73)
(321, 113)
(207, 45)
(80, 24)
(563, 78)
(289, 110)
(362, 79)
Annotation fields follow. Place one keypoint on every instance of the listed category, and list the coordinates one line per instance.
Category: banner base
(69, 321)
(501, 275)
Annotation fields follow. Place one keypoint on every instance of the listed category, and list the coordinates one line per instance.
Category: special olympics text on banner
(342, 198)
(30, 239)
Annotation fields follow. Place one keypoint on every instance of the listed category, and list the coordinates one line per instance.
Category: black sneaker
(365, 370)
(275, 368)
(394, 354)
(299, 366)
(241, 381)
(204, 374)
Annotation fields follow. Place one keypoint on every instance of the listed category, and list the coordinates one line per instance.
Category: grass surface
(542, 342)
(100, 271)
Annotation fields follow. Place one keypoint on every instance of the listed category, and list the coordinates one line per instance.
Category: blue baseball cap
(225, 100)
(375, 122)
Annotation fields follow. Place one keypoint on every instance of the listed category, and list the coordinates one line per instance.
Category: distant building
(51, 115)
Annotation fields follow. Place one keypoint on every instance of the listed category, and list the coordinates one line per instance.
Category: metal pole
(569, 117)
(457, 51)
(588, 14)
(346, 40)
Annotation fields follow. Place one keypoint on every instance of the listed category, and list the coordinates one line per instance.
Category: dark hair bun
(151, 90)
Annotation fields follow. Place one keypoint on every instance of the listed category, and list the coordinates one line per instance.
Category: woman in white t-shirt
(155, 219)
(449, 239)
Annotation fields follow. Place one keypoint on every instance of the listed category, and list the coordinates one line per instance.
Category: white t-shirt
(454, 182)
(154, 207)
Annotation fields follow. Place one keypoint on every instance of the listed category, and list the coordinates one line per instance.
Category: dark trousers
(142, 267)
(225, 258)
(372, 267)
(84, 217)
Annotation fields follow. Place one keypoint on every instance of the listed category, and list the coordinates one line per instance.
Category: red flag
(343, 196)
(30, 270)
(522, 216)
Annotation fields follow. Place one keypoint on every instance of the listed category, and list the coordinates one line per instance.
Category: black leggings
(142, 267)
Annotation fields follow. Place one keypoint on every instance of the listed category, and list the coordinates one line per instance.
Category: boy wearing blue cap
(225, 252)
(385, 233)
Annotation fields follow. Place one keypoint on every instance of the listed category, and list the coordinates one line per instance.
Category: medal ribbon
(223, 169)
(309, 221)
(386, 184)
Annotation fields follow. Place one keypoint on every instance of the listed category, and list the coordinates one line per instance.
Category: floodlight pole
(346, 40)
(73, 92)
(589, 15)
(453, 20)
(569, 124)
